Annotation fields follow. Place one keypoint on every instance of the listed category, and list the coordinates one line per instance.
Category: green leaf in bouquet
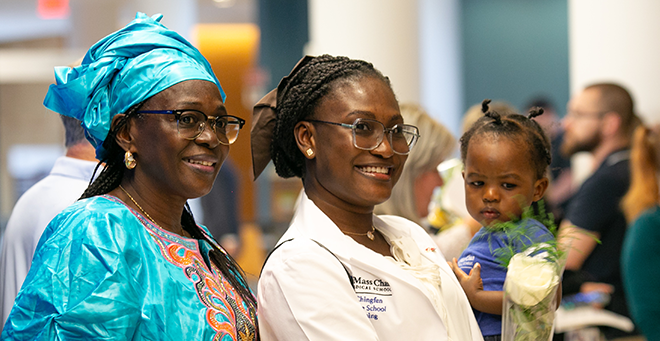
(518, 234)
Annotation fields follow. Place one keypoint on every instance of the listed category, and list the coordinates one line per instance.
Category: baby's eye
(476, 183)
(508, 185)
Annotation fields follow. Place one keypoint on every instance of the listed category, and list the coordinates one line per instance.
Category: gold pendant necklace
(369, 234)
(145, 212)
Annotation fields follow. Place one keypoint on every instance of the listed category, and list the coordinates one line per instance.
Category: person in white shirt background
(66, 182)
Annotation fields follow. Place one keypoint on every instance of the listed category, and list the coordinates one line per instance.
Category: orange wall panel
(232, 50)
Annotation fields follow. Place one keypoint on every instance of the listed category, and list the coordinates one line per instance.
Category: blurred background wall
(444, 54)
(531, 61)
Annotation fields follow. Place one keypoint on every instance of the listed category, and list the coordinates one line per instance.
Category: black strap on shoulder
(270, 253)
(348, 272)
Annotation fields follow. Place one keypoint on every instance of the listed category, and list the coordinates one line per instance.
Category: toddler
(506, 158)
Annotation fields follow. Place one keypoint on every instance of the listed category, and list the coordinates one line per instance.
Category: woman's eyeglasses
(368, 134)
(191, 123)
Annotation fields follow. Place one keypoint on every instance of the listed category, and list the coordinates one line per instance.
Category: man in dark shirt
(600, 120)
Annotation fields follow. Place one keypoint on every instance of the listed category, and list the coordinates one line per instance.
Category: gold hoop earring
(129, 160)
(309, 152)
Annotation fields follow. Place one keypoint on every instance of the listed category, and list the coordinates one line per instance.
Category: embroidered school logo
(373, 305)
(373, 295)
(372, 286)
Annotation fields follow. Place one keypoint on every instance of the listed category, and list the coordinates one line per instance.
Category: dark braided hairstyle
(113, 172)
(111, 177)
(513, 126)
(299, 98)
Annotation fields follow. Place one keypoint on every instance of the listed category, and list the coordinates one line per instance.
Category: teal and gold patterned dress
(103, 271)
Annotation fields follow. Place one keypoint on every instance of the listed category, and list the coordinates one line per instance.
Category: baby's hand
(471, 282)
(485, 301)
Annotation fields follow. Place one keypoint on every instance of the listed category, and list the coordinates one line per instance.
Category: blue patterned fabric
(102, 271)
(121, 70)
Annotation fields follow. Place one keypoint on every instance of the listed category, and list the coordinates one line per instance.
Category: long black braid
(513, 126)
(111, 177)
(113, 171)
(299, 99)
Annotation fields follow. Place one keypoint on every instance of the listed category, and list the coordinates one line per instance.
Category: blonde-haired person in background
(640, 258)
(412, 194)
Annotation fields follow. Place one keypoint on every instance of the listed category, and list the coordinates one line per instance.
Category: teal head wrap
(121, 70)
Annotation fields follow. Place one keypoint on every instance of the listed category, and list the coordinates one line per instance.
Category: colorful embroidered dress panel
(103, 271)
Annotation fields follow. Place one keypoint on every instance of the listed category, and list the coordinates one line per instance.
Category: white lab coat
(304, 292)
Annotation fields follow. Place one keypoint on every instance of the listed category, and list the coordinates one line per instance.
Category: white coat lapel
(314, 224)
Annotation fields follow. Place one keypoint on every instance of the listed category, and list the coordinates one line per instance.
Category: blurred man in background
(600, 120)
(66, 182)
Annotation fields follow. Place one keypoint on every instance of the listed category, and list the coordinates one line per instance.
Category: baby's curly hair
(513, 126)
(300, 97)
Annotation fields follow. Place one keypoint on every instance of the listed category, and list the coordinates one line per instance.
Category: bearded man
(600, 120)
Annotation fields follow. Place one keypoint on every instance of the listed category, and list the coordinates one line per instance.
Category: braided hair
(513, 125)
(113, 172)
(111, 177)
(299, 98)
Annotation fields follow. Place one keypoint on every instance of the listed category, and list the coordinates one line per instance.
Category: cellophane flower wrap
(532, 280)
(530, 296)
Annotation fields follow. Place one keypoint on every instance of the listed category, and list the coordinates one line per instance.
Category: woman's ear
(305, 138)
(123, 137)
(539, 188)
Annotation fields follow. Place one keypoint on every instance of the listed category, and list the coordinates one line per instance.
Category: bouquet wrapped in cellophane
(534, 268)
(530, 295)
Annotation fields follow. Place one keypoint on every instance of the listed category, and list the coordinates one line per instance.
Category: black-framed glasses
(368, 134)
(190, 124)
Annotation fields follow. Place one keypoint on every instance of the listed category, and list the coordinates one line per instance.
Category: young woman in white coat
(340, 272)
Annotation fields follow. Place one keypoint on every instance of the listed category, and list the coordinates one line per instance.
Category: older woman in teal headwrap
(127, 261)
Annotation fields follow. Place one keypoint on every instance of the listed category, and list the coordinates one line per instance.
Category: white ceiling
(19, 22)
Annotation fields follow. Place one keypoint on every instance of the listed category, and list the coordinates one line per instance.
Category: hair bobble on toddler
(534, 112)
(495, 116)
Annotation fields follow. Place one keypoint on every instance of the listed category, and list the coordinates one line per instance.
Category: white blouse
(409, 258)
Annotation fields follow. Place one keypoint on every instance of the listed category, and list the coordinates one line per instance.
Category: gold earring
(309, 152)
(129, 160)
